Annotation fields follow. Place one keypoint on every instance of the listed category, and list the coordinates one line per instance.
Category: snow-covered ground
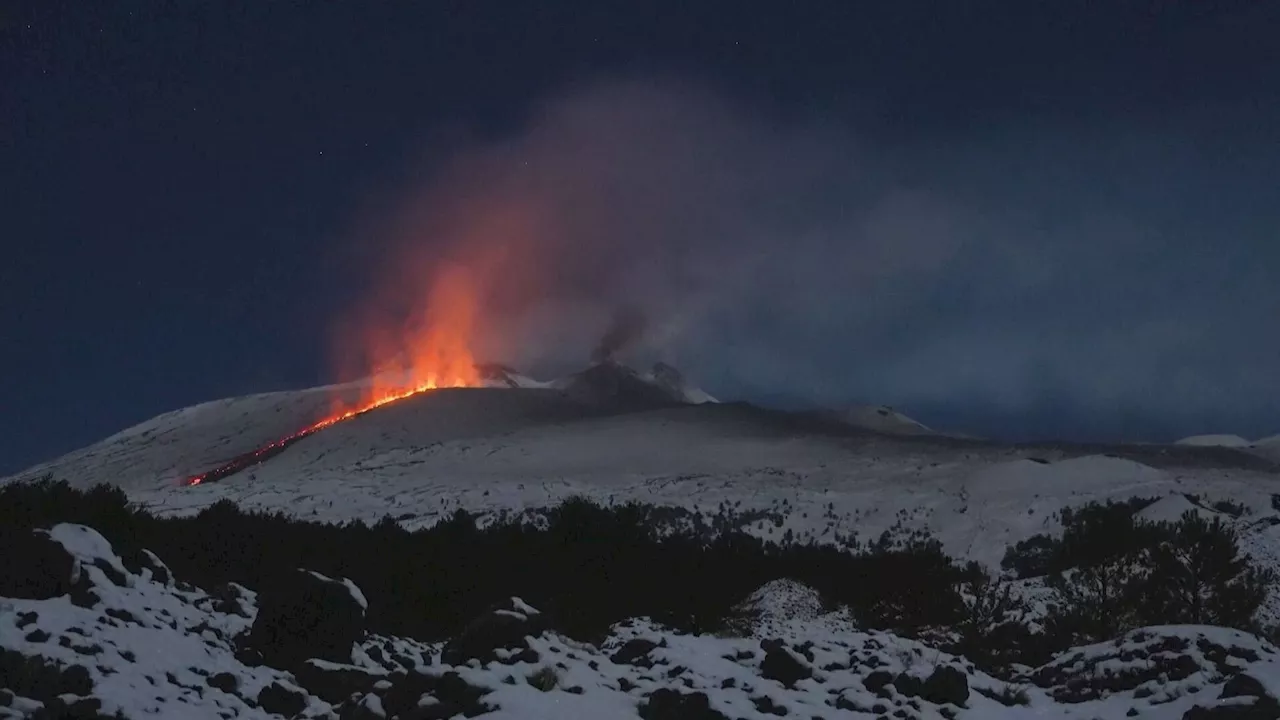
(522, 445)
(1231, 441)
(880, 418)
(490, 450)
(136, 642)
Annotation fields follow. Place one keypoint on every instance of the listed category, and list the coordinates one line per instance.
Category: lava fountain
(431, 349)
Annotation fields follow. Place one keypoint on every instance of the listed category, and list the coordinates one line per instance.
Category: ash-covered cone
(611, 384)
(497, 374)
(669, 378)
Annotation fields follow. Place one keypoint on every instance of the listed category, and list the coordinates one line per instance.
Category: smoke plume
(1053, 272)
(626, 328)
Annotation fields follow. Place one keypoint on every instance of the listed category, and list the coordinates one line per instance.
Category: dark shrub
(585, 566)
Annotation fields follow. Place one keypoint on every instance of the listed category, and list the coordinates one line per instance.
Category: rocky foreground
(85, 633)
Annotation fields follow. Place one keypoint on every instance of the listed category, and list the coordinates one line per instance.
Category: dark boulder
(67, 707)
(305, 615)
(233, 599)
(335, 683)
(908, 685)
(635, 652)
(765, 704)
(1242, 685)
(1262, 709)
(503, 626)
(147, 565)
(34, 566)
(224, 681)
(668, 704)
(946, 685)
(878, 683)
(281, 700)
(41, 679)
(423, 696)
(367, 707)
(782, 665)
(1261, 705)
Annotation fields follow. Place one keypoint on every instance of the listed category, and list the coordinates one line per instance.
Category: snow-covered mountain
(884, 419)
(1268, 447)
(618, 387)
(613, 434)
(1231, 441)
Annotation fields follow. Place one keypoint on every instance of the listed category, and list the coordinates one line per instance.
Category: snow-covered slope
(1268, 448)
(138, 642)
(515, 449)
(884, 419)
(1231, 441)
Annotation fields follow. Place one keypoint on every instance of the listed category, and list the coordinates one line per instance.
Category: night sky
(1019, 219)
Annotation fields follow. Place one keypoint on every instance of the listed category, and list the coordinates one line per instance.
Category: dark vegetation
(1112, 571)
(588, 566)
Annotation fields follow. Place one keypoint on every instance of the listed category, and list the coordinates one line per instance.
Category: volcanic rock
(782, 665)
(617, 386)
(144, 563)
(503, 626)
(34, 566)
(668, 704)
(334, 683)
(635, 652)
(306, 615)
(41, 679)
(68, 707)
(946, 685)
(1243, 684)
(281, 700)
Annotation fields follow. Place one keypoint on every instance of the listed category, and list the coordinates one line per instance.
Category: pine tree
(1198, 576)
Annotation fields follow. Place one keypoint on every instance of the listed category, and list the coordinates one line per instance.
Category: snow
(373, 704)
(490, 451)
(86, 545)
(1172, 507)
(161, 643)
(883, 419)
(523, 607)
(356, 594)
(1230, 441)
(159, 662)
(514, 450)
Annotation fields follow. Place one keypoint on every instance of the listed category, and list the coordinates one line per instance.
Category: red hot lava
(431, 351)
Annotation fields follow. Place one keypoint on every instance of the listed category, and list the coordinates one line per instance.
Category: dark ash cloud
(1094, 271)
(626, 329)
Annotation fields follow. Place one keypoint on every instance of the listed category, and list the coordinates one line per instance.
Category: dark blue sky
(1014, 218)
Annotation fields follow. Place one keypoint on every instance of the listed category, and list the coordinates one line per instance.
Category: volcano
(605, 385)
(611, 384)
(510, 442)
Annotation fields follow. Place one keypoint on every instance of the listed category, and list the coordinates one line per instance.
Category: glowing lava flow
(403, 356)
(266, 452)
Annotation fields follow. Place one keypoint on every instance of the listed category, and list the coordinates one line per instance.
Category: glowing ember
(430, 351)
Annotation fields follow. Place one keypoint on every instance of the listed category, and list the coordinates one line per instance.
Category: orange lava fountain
(431, 351)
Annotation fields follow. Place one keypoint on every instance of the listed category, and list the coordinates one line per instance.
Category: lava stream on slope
(266, 452)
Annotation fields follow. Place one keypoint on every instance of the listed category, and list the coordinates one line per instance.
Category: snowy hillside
(612, 435)
(1231, 441)
(90, 634)
(883, 419)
